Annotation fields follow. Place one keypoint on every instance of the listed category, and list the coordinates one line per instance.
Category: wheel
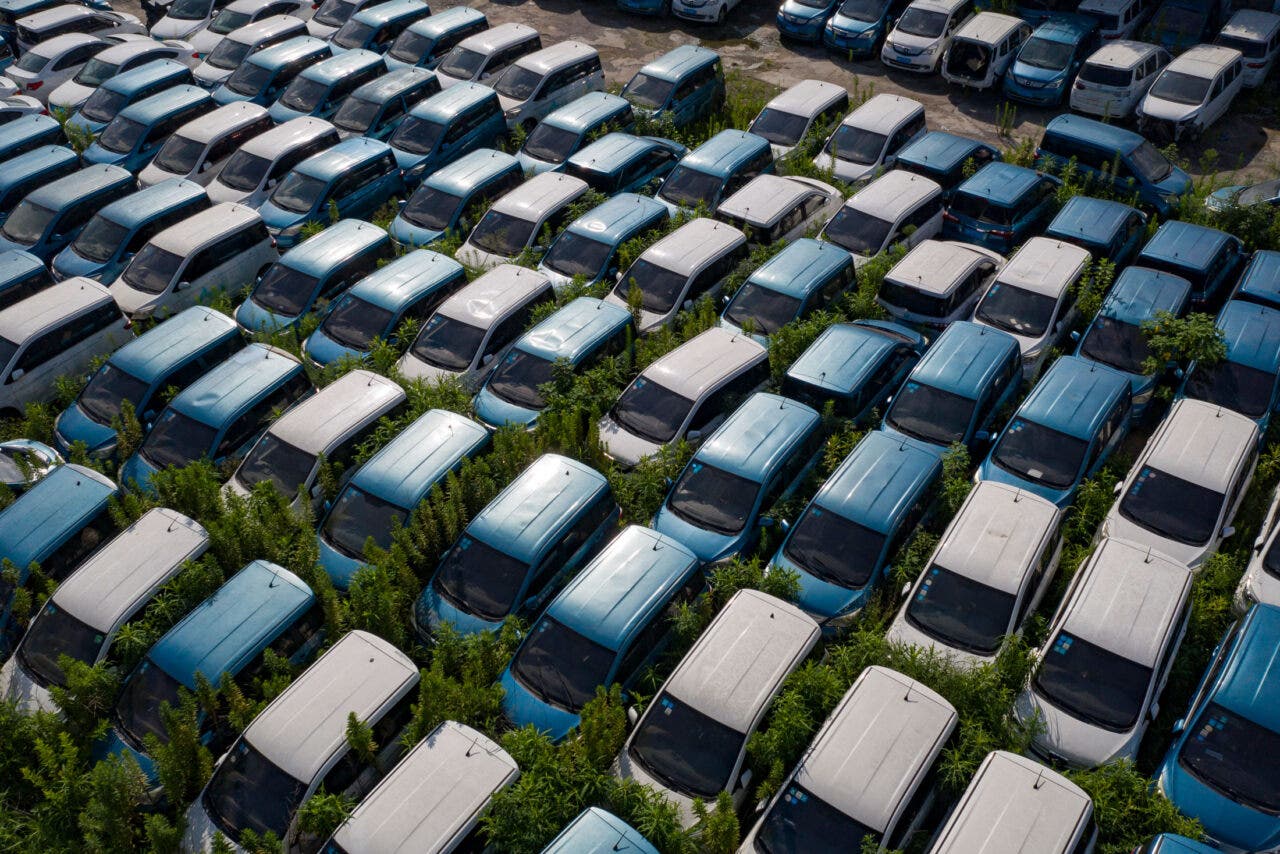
(721, 15)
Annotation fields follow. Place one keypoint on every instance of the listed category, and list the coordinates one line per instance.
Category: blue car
(718, 168)
(118, 92)
(1171, 843)
(26, 172)
(515, 553)
(27, 133)
(1220, 769)
(623, 163)
(1000, 206)
(318, 89)
(858, 27)
(586, 251)
(1247, 379)
(1107, 229)
(21, 275)
(681, 86)
(945, 158)
(756, 457)
(594, 829)
(135, 135)
(1179, 24)
(264, 75)
(426, 41)
(377, 25)
(804, 20)
(452, 198)
(51, 216)
(1207, 258)
(604, 628)
(1065, 430)
(1114, 338)
(659, 8)
(856, 366)
(806, 276)
(1047, 62)
(461, 119)
(376, 109)
(1260, 281)
(565, 130)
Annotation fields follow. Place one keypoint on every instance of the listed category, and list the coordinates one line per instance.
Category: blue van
(1220, 767)
(605, 627)
(383, 492)
(358, 175)
(318, 89)
(1207, 258)
(945, 158)
(1247, 379)
(515, 553)
(21, 275)
(26, 172)
(318, 268)
(261, 607)
(1000, 206)
(1114, 338)
(411, 286)
(804, 21)
(439, 130)
(682, 86)
(171, 355)
(221, 414)
(1105, 228)
(623, 163)
(116, 232)
(1260, 281)
(1064, 431)
(1046, 64)
(376, 109)
(857, 366)
(843, 542)
(1176, 25)
(588, 247)
(804, 277)
(564, 131)
(575, 336)
(426, 41)
(969, 374)
(595, 829)
(715, 170)
(1111, 154)
(51, 216)
(264, 75)
(376, 26)
(120, 91)
(755, 458)
(452, 198)
(858, 27)
(135, 135)
(27, 133)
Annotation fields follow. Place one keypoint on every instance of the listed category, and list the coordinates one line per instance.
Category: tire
(722, 15)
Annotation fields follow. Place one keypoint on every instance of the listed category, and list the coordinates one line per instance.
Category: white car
(242, 12)
(771, 208)
(922, 35)
(184, 18)
(703, 11)
(1116, 77)
(113, 60)
(870, 137)
(50, 64)
(1192, 93)
(983, 49)
(71, 18)
(17, 106)
(1256, 35)
(898, 207)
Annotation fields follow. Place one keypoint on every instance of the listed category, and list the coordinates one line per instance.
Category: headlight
(843, 621)
(512, 113)
(291, 231)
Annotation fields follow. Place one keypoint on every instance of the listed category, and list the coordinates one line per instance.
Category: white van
(528, 217)
(1182, 494)
(717, 695)
(808, 105)
(1115, 78)
(988, 574)
(54, 332)
(1261, 581)
(898, 207)
(330, 423)
(1117, 19)
(201, 147)
(474, 328)
(679, 269)
(74, 18)
(253, 171)
(298, 744)
(1033, 298)
(430, 803)
(1015, 805)
(483, 56)
(1191, 93)
(237, 13)
(870, 763)
(238, 44)
(1257, 36)
(223, 248)
(938, 282)
(685, 394)
(920, 37)
(983, 49)
(870, 137)
(540, 82)
(86, 611)
(771, 208)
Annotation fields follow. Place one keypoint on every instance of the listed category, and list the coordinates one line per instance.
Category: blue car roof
(406, 468)
(46, 515)
(1140, 292)
(965, 358)
(1074, 396)
(940, 150)
(154, 353)
(1085, 218)
(675, 64)
(595, 831)
(1260, 280)
(153, 108)
(231, 628)
(388, 10)
(802, 267)
(535, 508)
(758, 437)
(144, 75)
(1184, 243)
(148, 203)
(27, 127)
(16, 265)
(724, 152)
(439, 23)
(465, 174)
(618, 219)
(612, 152)
(324, 252)
(1250, 682)
(83, 182)
(289, 50)
(587, 111)
(622, 589)
(445, 105)
(1170, 843)
(342, 65)
(575, 330)
(1071, 29)
(880, 480)
(46, 157)
(407, 279)
(384, 88)
(343, 157)
(236, 384)
(1111, 137)
(1252, 334)
(19, 7)
(1000, 182)
(842, 356)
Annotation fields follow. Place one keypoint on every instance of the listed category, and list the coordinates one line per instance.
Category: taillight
(1008, 235)
(34, 85)
(1078, 85)
(1255, 65)
(1111, 36)
(950, 217)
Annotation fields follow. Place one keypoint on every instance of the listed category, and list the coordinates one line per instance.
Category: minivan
(986, 576)
(945, 158)
(919, 39)
(1117, 19)
(471, 332)
(1182, 494)
(119, 230)
(897, 209)
(446, 126)
(855, 367)
(938, 282)
(526, 219)
(375, 27)
(318, 89)
(1115, 78)
(452, 198)
(804, 21)
(518, 550)
(1206, 257)
(1000, 206)
(377, 108)
(610, 622)
(806, 276)
(256, 167)
(983, 49)
(681, 86)
(171, 355)
(869, 138)
(586, 251)
(330, 15)
(136, 133)
(237, 45)
(483, 56)
(220, 414)
(427, 40)
(198, 149)
(384, 492)
(772, 208)
(67, 18)
(1109, 652)
(411, 286)
(757, 456)
(535, 84)
(810, 105)
(26, 172)
(576, 336)
(263, 76)
(1260, 281)
(721, 165)
(565, 130)
(721, 689)
(86, 611)
(21, 275)
(1048, 61)
(844, 541)
(685, 394)
(1107, 229)
(1247, 377)
(312, 273)
(298, 744)
(236, 14)
(1256, 34)
(625, 163)
(594, 826)
(52, 215)
(1191, 93)
(29, 132)
(221, 249)
(106, 101)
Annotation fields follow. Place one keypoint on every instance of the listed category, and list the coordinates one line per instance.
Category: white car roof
(702, 362)
(255, 32)
(320, 421)
(37, 21)
(197, 229)
(989, 27)
(1044, 266)
(558, 55)
(996, 535)
(58, 45)
(1251, 24)
(946, 6)
(1201, 442)
(1204, 60)
(765, 199)
(496, 38)
(532, 200)
(221, 121)
(884, 113)
(693, 244)
(273, 143)
(20, 321)
(127, 50)
(807, 98)
(894, 194)
(937, 266)
(1121, 54)
(494, 294)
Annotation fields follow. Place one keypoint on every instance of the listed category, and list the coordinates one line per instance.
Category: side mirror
(1179, 725)
(1154, 711)
(1118, 488)
(1259, 542)
(1228, 531)
(693, 435)
(906, 588)
(204, 167)
(400, 203)
(745, 779)
(687, 304)
(1179, 373)
(316, 490)
(18, 374)
(633, 716)
(982, 436)
(271, 183)
(328, 505)
(1075, 335)
(183, 285)
(784, 525)
(767, 521)
(670, 482)
(488, 357)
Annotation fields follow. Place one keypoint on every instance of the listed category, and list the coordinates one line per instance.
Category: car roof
(758, 438)
(1067, 30)
(300, 730)
(129, 49)
(893, 194)
(47, 514)
(612, 152)
(936, 266)
(535, 509)
(387, 86)
(940, 149)
(693, 245)
(222, 121)
(944, 5)
(79, 184)
(884, 113)
(548, 59)
(1184, 243)
(407, 278)
(235, 623)
(997, 535)
(1043, 265)
(702, 362)
(1201, 442)
(342, 64)
(801, 267)
(341, 158)
(420, 455)
(964, 358)
(240, 381)
(989, 27)
(587, 110)
(1140, 292)
(319, 422)
(172, 342)
(149, 72)
(325, 251)
(446, 104)
(16, 264)
(739, 661)
(1260, 279)
(470, 171)
(297, 47)
(1086, 218)
(279, 140)
(724, 151)
(881, 478)
(1251, 24)
(574, 330)
(1000, 182)
(596, 831)
(540, 195)
(31, 126)
(1169, 843)
(491, 296)
(619, 218)
(1098, 133)
(55, 15)
(155, 107)
(194, 231)
(1252, 334)
(808, 97)
(58, 45)
(679, 61)
(1122, 53)
(149, 202)
(496, 38)
(1250, 681)
(262, 29)
(843, 356)
(389, 10)
(439, 23)
(764, 199)
(1204, 60)
(1074, 396)
(20, 321)
(22, 167)
(627, 584)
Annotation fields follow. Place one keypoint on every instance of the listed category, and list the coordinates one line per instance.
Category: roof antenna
(1017, 496)
(1039, 779)
(1147, 559)
(275, 579)
(471, 748)
(618, 846)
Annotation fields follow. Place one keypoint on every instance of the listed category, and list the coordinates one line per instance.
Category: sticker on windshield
(1063, 644)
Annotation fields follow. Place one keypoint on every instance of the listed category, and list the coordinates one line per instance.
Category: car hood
(852, 26)
(113, 744)
(844, 169)
(404, 232)
(70, 95)
(337, 565)
(898, 37)
(1169, 111)
(176, 28)
(7, 245)
(97, 154)
(473, 257)
(432, 609)
(1223, 819)
(1077, 742)
(709, 546)
(132, 300)
(1025, 71)
(649, 320)
(18, 688)
(68, 263)
(1223, 198)
(799, 10)
(990, 471)
(496, 412)
(319, 30)
(624, 447)
(1118, 526)
(255, 318)
(533, 166)
(414, 368)
(823, 600)
(522, 708)
(219, 192)
(199, 832)
(322, 349)
(73, 425)
(205, 41)
(153, 174)
(279, 218)
(138, 471)
(902, 632)
(1262, 586)
(209, 76)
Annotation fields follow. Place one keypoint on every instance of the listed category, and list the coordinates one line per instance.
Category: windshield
(960, 612)
(687, 186)
(1105, 75)
(767, 309)
(922, 22)
(248, 792)
(190, 10)
(334, 13)
(801, 821)
(244, 171)
(27, 223)
(137, 712)
(354, 34)
(95, 72)
(152, 269)
(431, 208)
(867, 11)
(651, 411)
(299, 193)
(358, 516)
(550, 143)
(275, 460)
(561, 666)
(856, 145)
(228, 20)
(355, 323)
(1116, 343)
(1235, 756)
(1016, 310)
(481, 580)
(177, 440)
(100, 239)
(55, 633)
(1181, 88)
(1149, 164)
(250, 79)
(179, 155)
(685, 749)
(1091, 683)
(356, 114)
(857, 231)
(982, 209)
(644, 90)
(779, 127)
(107, 390)
(930, 414)
(1172, 507)
(304, 94)
(1040, 454)
(103, 105)
(518, 83)
(1264, 192)
(833, 548)
(228, 54)
(1251, 48)
(576, 254)
(121, 135)
(518, 378)
(284, 290)
(712, 498)
(659, 287)
(448, 343)
(411, 47)
(1043, 53)
(502, 234)
(417, 135)
(1233, 385)
(462, 63)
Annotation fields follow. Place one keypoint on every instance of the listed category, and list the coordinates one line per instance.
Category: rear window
(1105, 75)
(913, 300)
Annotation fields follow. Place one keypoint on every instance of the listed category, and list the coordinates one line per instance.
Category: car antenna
(1147, 559)
(1039, 779)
